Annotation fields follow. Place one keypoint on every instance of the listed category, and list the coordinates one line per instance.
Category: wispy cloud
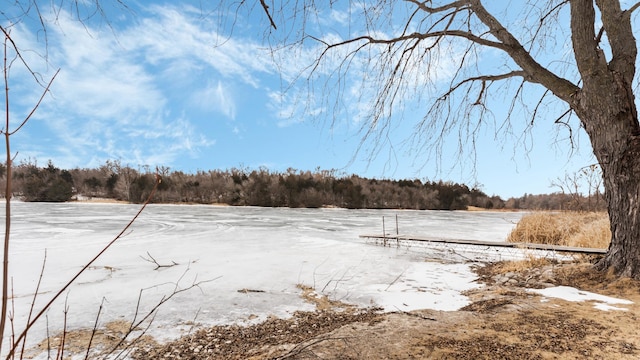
(215, 97)
(138, 93)
(172, 35)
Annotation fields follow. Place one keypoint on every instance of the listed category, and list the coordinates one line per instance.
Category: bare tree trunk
(622, 183)
(611, 121)
(606, 107)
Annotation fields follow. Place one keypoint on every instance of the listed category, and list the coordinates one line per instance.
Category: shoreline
(545, 326)
(81, 199)
(101, 200)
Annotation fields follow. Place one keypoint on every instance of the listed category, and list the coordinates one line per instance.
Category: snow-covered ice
(271, 250)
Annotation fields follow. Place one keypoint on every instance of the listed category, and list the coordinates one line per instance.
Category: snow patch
(568, 293)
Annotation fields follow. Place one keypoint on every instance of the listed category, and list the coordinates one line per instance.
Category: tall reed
(568, 228)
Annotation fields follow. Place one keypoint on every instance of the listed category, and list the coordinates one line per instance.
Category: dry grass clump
(567, 228)
(531, 262)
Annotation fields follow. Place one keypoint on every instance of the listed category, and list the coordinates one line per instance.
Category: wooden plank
(458, 241)
(563, 248)
(440, 240)
(531, 246)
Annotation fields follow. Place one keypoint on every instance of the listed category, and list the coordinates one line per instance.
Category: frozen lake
(270, 250)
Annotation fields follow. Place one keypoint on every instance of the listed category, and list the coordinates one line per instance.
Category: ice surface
(267, 249)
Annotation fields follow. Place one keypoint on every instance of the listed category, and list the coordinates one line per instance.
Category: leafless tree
(568, 62)
(11, 55)
(589, 179)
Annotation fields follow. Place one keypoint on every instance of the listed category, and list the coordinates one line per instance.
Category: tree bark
(608, 113)
(606, 107)
(622, 184)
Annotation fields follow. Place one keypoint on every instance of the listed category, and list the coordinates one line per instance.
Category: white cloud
(340, 17)
(172, 36)
(215, 97)
(290, 111)
(115, 94)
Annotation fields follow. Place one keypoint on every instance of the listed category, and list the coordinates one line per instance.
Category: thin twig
(7, 215)
(416, 315)
(33, 110)
(126, 350)
(63, 339)
(337, 282)
(48, 338)
(266, 10)
(152, 260)
(18, 54)
(13, 314)
(151, 314)
(298, 349)
(193, 322)
(33, 302)
(394, 280)
(94, 330)
(7, 134)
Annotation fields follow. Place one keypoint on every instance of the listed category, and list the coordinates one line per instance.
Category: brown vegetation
(261, 187)
(567, 228)
(562, 200)
(116, 182)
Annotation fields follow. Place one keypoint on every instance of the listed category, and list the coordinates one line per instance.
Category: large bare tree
(571, 59)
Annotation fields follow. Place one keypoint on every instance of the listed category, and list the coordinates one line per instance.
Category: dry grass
(531, 262)
(568, 228)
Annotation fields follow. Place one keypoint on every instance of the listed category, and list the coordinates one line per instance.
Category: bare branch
(33, 301)
(632, 8)
(537, 107)
(422, 36)
(33, 110)
(152, 260)
(63, 338)
(7, 35)
(620, 37)
(452, 5)
(544, 18)
(302, 347)
(266, 10)
(7, 215)
(562, 88)
(94, 329)
(589, 57)
(419, 316)
(150, 315)
(483, 79)
(12, 315)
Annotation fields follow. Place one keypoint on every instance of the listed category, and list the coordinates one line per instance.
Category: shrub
(49, 187)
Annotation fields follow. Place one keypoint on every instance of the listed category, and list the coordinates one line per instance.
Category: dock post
(397, 233)
(384, 233)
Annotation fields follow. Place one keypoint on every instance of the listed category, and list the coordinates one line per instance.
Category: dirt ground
(504, 321)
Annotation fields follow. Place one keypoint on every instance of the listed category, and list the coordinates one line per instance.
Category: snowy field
(229, 249)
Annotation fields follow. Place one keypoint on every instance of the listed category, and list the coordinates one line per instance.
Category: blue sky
(162, 84)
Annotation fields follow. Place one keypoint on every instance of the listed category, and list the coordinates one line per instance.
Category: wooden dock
(531, 246)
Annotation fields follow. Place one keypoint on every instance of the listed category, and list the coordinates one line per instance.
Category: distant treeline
(558, 201)
(261, 187)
